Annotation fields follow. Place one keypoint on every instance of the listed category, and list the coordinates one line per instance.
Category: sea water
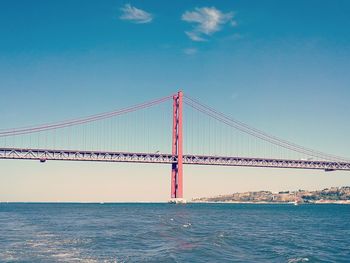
(70, 232)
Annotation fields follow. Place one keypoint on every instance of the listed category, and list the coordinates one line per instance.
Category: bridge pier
(177, 150)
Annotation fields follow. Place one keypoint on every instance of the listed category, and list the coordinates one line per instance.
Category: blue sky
(280, 66)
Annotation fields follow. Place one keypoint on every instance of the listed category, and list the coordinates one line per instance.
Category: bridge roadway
(44, 155)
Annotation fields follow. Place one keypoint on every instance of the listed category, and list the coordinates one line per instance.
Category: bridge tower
(177, 150)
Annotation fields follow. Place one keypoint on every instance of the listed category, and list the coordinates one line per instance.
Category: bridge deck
(161, 158)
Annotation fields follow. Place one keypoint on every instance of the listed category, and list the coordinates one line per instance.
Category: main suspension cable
(257, 133)
(74, 122)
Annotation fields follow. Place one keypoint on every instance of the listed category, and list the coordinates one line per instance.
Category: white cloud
(135, 15)
(194, 36)
(190, 51)
(234, 96)
(207, 20)
(233, 23)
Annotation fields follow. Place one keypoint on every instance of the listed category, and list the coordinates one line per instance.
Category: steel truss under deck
(160, 158)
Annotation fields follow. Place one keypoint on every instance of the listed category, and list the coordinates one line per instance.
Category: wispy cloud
(195, 36)
(135, 15)
(206, 20)
(190, 51)
(234, 96)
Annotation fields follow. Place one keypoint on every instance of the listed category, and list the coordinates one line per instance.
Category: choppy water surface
(174, 233)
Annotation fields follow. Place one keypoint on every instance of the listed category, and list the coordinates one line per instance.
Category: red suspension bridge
(211, 138)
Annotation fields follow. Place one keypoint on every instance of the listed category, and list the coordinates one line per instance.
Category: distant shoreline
(332, 195)
(325, 202)
(343, 202)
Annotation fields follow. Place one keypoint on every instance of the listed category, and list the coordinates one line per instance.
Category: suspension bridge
(200, 136)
